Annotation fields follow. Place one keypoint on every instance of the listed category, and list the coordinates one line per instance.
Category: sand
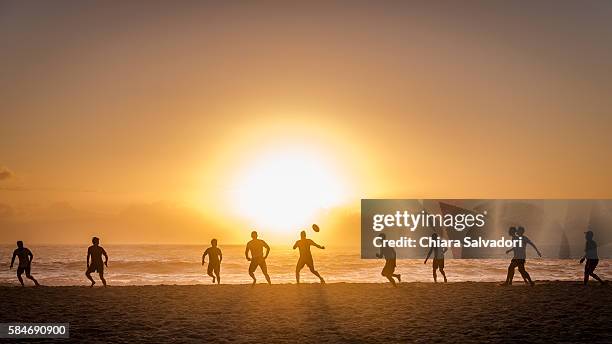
(375, 313)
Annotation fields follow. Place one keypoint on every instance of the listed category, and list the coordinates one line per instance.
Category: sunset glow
(284, 189)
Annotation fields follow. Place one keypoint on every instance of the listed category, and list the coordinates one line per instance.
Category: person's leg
(592, 264)
(298, 268)
(252, 268)
(101, 273)
(19, 273)
(209, 271)
(524, 273)
(264, 269)
(510, 276)
(315, 272)
(587, 271)
(398, 276)
(29, 275)
(387, 271)
(88, 274)
(441, 268)
(217, 271)
(434, 268)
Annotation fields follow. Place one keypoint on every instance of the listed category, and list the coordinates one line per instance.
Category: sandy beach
(414, 312)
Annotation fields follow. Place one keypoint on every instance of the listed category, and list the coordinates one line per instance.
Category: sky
(165, 122)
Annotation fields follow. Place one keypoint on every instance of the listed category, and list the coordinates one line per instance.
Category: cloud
(5, 173)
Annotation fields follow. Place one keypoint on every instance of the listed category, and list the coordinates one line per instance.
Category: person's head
(512, 231)
(20, 244)
(303, 234)
(520, 231)
(588, 235)
(95, 240)
(254, 234)
(434, 236)
(213, 242)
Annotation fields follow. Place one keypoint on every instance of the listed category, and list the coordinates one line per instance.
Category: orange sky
(142, 121)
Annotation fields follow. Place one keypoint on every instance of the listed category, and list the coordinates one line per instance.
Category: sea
(64, 265)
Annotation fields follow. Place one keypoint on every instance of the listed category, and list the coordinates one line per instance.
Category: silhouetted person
(94, 261)
(306, 256)
(513, 263)
(25, 262)
(592, 259)
(438, 260)
(520, 255)
(214, 262)
(256, 246)
(390, 262)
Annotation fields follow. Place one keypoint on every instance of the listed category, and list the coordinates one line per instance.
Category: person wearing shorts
(94, 261)
(390, 256)
(438, 260)
(214, 263)
(257, 258)
(592, 259)
(306, 256)
(25, 263)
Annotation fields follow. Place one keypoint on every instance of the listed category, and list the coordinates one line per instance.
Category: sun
(284, 189)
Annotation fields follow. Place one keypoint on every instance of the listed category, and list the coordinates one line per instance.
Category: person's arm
(267, 249)
(317, 245)
(13, 259)
(105, 257)
(295, 245)
(586, 248)
(88, 255)
(509, 250)
(534, 246)
(380, 254)
(444, 250)
(246, 253)
(204, 256)
(220, 256)
(428, 254)
(31, 255)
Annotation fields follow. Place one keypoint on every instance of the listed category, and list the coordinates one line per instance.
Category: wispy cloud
(5, 173)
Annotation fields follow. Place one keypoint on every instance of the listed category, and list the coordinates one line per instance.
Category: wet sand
(373, 313)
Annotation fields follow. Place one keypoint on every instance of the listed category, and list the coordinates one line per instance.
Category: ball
(315, 227)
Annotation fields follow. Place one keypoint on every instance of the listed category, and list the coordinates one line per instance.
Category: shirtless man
(25, 262)
(95, 252)
(257, 258)
(306, 256)
(438, 259)
(214, 264)
(592, 259)
(520, 255)
(390, 256)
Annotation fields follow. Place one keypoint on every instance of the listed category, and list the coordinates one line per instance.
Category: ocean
(181, 264)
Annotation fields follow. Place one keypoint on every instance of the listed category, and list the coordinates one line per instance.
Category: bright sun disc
(281, 191)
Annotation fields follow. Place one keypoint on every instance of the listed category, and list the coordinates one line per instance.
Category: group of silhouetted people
(254, 253)
(519, 250)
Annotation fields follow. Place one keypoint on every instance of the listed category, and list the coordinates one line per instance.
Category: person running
(592, 258)
(520, 255)
(306, 256)
(257, 258)
(94, 261)
(438, 260)
(214, 263)
(25, 263)
(390, 262)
